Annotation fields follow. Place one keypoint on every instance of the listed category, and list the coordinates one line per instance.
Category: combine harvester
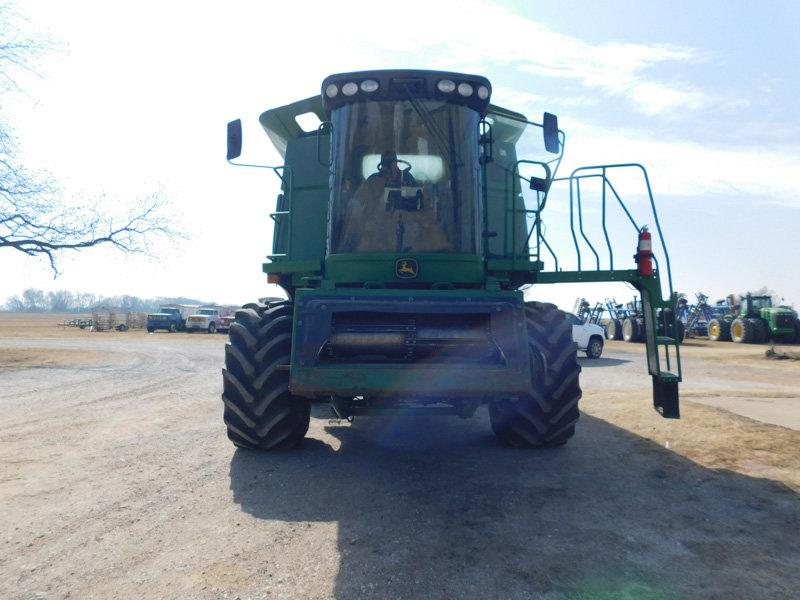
(407, 226)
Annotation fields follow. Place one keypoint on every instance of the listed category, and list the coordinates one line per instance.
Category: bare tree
(34, 217)
(60, 301)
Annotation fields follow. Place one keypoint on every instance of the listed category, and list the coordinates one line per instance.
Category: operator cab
(405, 154)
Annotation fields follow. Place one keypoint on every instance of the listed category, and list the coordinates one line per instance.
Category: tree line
(63, 301)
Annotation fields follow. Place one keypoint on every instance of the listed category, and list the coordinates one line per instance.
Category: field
(116, 480)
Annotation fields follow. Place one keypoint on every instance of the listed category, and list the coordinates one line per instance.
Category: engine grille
(374, 337)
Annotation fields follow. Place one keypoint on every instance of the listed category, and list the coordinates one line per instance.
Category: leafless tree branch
(34, 218)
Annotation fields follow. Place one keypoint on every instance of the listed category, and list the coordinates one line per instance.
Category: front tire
(548, 415)
(260, 411)
(632, 331)
(761, 331)
(719, 330)
(595, 347)
(614, 329)
(743, 331)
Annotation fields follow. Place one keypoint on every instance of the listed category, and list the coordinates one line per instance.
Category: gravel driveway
(117, 481)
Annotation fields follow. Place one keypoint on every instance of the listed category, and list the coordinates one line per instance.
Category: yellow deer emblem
(406, 268)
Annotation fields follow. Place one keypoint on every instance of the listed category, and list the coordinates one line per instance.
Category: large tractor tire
(260, 412)
(797, 331)
(614, 328)
(719, 330)
(632, 330)
(761, 331)
(743, 331)
(546, 417)
(681, 330)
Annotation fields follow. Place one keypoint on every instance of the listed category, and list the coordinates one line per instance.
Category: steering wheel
(398, 161)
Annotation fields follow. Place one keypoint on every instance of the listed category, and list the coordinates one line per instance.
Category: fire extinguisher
(644, 253)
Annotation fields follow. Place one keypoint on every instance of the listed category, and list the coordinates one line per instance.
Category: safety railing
(594, 251)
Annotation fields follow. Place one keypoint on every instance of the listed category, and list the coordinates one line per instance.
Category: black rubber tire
(547, 417)
(797, 331)
(743, 331)
(631, 331)
(719, 330)
(260, 411)
(761, 331)
(681, 326)
(149, 329)
(614, 328)
(595, 347)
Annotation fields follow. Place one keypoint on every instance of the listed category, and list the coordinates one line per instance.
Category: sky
(134, 99)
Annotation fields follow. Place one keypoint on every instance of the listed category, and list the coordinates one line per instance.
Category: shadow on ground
(589, 363)
(437, 509)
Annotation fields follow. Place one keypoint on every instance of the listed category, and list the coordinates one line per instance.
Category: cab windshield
(405, 177)
(762, 302)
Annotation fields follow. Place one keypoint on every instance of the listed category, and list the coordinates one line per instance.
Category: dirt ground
(117, 481)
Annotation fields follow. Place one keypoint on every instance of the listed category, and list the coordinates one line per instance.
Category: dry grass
(32, 357)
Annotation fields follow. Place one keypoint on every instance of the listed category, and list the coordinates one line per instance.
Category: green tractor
(757, 322)
(406, 229)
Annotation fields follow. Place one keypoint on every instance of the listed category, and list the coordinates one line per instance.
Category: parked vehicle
(588, 336)
(208, 318)
(171, 317)
(225, 323)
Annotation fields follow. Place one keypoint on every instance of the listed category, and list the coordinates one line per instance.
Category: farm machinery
(696, 317)
(628, 322)
(617, 314)
(756, 322)
(409, 221)
(588, 313)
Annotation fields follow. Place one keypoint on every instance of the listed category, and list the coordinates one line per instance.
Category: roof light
(331, 91)
(349, 89)
(465, 89)
(369, 86)
(483, 92)
(446, 86)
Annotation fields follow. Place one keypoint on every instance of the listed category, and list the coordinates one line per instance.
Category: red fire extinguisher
(644, 253)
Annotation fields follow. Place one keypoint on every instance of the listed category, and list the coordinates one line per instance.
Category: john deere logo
(406, 268)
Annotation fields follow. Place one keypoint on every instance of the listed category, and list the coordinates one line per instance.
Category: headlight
(331, 91)
(446, 86)
(350, 88)
(369, 86)
(483, 92)
(465, 89)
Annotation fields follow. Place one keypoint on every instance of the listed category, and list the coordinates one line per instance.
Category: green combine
(756, 322)
(407, 226)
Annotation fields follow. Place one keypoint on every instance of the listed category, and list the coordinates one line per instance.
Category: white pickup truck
(588, 336)
(205, 318)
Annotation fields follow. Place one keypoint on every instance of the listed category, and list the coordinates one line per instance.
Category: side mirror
(550, 128)
(234, 139)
